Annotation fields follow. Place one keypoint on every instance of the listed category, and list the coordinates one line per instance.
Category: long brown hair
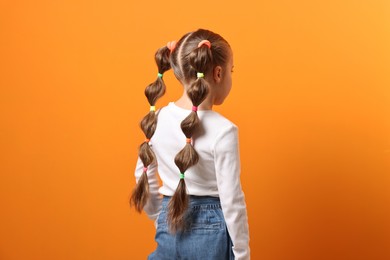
(148, 125)
(187, 60)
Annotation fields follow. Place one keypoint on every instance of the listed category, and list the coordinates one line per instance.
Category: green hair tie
(181, 175)
(159, 75)
(200, 75)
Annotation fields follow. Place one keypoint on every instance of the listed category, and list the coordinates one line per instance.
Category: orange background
(311, 96)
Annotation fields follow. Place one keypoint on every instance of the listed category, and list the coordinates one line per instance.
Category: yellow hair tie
(152, 108)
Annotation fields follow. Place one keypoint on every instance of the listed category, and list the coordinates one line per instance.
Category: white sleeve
(227, 167)
(153, 205)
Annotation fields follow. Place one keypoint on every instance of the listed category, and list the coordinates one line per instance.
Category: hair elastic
(171, 45)
(147, 140)
(145, 169)
(204, 42)
(181, 175)
(199, 75)
(194, 108)
(160, 75)
(188, 140)
(152, 108)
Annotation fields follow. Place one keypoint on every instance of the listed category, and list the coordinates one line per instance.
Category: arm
(153, 205)
(227, 166)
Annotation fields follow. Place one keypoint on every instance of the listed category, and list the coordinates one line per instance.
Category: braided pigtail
(148, 125)
(200, 60)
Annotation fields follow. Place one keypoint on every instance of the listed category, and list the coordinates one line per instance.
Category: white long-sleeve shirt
(216, 174)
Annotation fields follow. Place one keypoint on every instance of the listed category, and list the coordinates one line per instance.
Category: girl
(202, 213)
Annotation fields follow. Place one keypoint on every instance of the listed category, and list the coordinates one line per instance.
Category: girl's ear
(217, 74)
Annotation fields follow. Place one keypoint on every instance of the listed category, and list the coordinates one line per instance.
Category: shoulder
(219, 122)
(225, 133)
(162, 110)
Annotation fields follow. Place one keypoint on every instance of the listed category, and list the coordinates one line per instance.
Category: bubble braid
(148, 125)
(195, 56)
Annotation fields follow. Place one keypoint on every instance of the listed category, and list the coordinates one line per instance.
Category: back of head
(187, 58)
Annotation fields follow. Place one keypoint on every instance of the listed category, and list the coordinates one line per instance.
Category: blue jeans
(206, 238)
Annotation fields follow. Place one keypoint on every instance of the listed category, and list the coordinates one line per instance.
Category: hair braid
(148, 125)
(200, 60)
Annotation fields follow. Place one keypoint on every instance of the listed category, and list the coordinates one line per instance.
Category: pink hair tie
(194, 108)
(171, 45)
(205, 42)
(145, 169)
